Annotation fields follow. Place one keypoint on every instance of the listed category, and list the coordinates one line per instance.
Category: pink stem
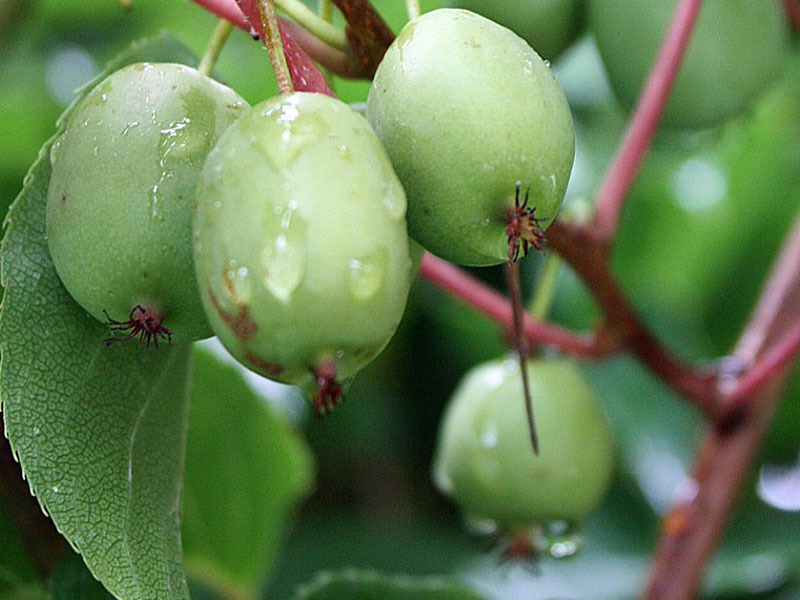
(306, 77)
(774, 361)
(619, 178)
(497, 307)
(793, 12)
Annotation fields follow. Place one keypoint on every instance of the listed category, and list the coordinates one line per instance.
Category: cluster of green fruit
(177, 211)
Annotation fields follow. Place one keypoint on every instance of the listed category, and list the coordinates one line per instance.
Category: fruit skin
(484, 458)
(465, 109)
(549, 26)
(300, 240)
(735, 50)
(119, 205)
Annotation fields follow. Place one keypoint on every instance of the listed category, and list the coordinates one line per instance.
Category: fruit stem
(521, 344)
(266, 11)
(218, 38)
(412, 8)
(545, 287)
(316, 24)
(325, 12)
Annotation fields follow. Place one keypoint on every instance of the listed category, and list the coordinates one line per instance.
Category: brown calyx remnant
(144, 323)
(329, 392)
(522, 229)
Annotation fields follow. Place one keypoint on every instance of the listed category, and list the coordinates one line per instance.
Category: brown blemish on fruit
(63, 197)
(270, 368)
(239, 323)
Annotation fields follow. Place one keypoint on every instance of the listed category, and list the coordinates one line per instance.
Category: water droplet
(367, 274)
(36, 431)
(561, 539)
(394, 201)
(547, 63)
(128, 126)
(55, 149)
(28, 178)
(489, 436)
(480, 525)
(283, 266)
(55, 489)
(242, 288)
(299, 130)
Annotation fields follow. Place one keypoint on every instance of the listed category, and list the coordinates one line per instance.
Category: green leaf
(369, 585)
(99, 431)
(246, 469)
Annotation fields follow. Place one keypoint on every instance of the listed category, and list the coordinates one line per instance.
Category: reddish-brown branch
(367, 32)
(619, 178)
(496, 306)
(793, 12)
(727, 452)
(587, 253)
(775, 359)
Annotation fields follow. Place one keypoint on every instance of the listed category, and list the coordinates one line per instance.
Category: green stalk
(545, 287)
(266, 10)
(316, 24)
(412, 8)
(215, 44)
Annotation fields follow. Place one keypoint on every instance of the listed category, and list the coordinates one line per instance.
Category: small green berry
(119, 203)
(467, 111)
(484, 459)
(300, 243)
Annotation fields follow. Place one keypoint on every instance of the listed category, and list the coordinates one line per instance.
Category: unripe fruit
(119, 205)
(466, 109)
(549, 26)
(484, 459)
(736, 48)
(300, 243)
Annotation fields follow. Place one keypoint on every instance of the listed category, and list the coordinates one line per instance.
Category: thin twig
(368, 33)
(619, 178)
(221, 33)
(497, 307)
(272, 40)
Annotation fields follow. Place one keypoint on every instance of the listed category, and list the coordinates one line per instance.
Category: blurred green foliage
(699, 232)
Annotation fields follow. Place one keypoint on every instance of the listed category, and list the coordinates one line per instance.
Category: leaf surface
(99, 431)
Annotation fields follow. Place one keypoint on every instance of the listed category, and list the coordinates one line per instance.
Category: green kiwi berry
(484, 459)
(119, 205)
(300, 242)
(736, 48)
(549, 26)
(468, 112)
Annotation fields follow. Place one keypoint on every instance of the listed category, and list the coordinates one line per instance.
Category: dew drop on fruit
(242, 288)
(561, 539)
(480, 525)
(394, 203)
(283, 268)
(128, 126)
(367, 274)
(56, 147)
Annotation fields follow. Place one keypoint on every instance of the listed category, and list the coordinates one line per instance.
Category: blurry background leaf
(369, 585)
(246, 470)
